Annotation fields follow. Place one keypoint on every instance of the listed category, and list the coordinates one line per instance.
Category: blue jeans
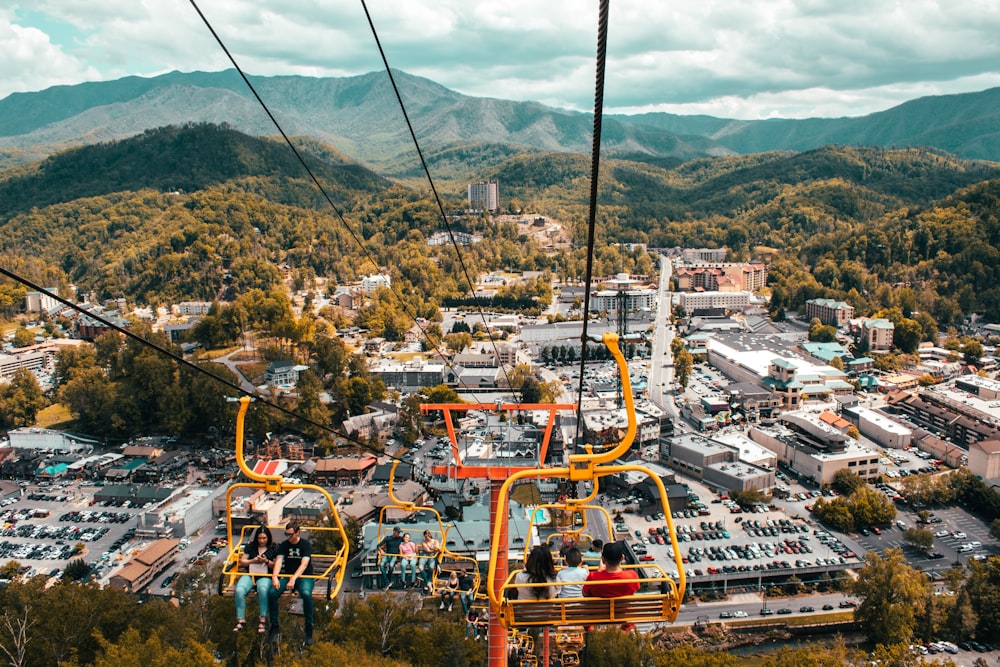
(426, 567)
(243, 587)
(304, 587)
(466, 598)
(386, 566)
(408, 564)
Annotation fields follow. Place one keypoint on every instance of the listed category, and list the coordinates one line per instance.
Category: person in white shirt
(574, 573)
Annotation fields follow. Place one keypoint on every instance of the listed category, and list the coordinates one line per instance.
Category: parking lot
(725, 547)
(959, 536)
(42, 528)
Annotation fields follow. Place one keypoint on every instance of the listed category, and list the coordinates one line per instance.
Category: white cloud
(744, 58)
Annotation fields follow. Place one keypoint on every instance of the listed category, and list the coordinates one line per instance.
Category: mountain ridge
(359, 116)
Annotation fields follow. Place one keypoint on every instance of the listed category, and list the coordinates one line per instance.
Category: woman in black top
(258, 559)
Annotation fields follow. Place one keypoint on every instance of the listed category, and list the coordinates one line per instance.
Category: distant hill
(966, 124)
(187, 159)
(357, 115)
(360, 117)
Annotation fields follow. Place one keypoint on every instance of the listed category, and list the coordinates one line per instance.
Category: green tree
(457, 342)
(132, 650)
(907, 334)
(10, 570)
(983, 587)
(972, 351)
(824, 333)
(23, 337)
(835, 513)
(309, 405)
(846, 481)
(20, 400)
(893, 597)
(531, 390)
(76, 570)
(442, 393)
(995, 529)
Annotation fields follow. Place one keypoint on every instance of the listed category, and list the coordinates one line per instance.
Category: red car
(646, 557)
(876, 530)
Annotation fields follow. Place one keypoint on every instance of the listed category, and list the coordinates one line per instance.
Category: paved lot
(733, 524)
(66, 504)
(953, 520)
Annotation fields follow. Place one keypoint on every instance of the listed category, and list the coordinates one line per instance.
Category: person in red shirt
(626, 581)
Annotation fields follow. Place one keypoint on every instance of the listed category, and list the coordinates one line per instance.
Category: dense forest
(202, 212)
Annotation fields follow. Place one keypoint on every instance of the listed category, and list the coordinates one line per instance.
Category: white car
(941, 533)
(740, 614)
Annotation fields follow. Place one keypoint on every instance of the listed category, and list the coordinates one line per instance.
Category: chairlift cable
(354, 234)
(595, 168)
(437, 198)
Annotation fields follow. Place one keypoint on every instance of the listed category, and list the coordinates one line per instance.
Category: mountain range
(360, 117)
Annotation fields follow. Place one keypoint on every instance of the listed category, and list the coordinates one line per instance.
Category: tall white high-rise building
(484, 196)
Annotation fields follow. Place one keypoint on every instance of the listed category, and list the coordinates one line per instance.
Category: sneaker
(449, 607)
(388, 586)
(442, 606)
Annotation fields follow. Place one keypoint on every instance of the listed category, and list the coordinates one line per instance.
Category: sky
(747, 59)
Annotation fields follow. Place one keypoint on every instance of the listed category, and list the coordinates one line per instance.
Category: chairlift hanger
(661, 604)
(329, 570)
(448, 560)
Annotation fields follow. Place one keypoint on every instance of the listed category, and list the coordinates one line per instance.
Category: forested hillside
(202, 212)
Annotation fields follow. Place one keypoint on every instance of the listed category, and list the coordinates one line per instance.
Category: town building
(139, 572)
(41, 302)
(33, 361)
(371, 284)
(877, 334)
(829, 311)
(721, 277)
(189, 308)
(947, 416)
(622, 287)
(344, 470)
(984, 459)
(693, 255)
(717, 464)
(484, 196)
(725, 301)
(56, 441)
(815, 451)
(408, 377)
(878, 427)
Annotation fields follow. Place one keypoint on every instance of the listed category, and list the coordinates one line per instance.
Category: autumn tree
(870, 507)
(920, 538)
(893, 597)
(983, 587)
